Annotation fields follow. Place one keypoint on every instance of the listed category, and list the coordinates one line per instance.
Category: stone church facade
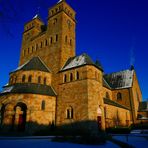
(54, 86)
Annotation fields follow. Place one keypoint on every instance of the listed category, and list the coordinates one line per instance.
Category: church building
(53, 85)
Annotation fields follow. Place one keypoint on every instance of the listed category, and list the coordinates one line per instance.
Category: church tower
(61, 29)
(54, 43)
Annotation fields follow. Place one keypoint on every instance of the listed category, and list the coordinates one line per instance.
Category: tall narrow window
(41, 44)
(69, 113)
(119, 96)
(66, 39)
(39, 79)
(46, 42)
(56, 37)
(51, 40)
(23, 78)
(65, 78)
(30, 79)
(70, 42)
(36, 47)
(77, 75)
(28, 50)
(71, 77)
(43, 105)
(45, 81)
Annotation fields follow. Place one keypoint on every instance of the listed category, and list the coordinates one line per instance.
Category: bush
(118, 130)
(87, 139)
(139, 126)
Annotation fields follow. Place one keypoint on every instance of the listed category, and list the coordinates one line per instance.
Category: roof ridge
(118, 72)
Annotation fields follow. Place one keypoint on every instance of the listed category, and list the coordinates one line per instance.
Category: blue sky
(113, 31)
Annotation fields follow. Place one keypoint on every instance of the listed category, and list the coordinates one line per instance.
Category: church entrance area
(99, 118)
(20, 116)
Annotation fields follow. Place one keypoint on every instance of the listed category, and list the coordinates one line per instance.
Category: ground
(38, 142)
(46, 143)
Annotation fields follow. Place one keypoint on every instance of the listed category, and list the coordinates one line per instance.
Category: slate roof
(143, 106)
(81, 60)
(33, 64)
(105, 84)
(113, 103)
(29, 88)
(120, 80)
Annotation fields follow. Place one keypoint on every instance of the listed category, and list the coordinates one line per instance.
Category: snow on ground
(45, 143)
(135, 141)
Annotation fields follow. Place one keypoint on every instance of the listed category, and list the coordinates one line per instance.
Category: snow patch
(77, 61)
(20, 67)
(124, 78)
(36, 16)
(59, 1)
(7, 89)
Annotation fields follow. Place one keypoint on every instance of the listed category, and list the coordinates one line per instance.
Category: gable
(33, 64)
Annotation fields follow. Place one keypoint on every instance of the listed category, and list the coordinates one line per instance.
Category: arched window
(51, 40)
(77, 75)
(119, 96)
(36, 47)
(23, 78)
(71, 77)
(28, 50)
(70, 42)
(56, 37)
(107, 95)
(45, 81)
(39, 79)
(66, 39)
(30, 79)
(43, 105)
(69, 113)
(41, 44)
(65, 78)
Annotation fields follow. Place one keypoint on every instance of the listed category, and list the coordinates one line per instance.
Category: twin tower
(54, 43)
